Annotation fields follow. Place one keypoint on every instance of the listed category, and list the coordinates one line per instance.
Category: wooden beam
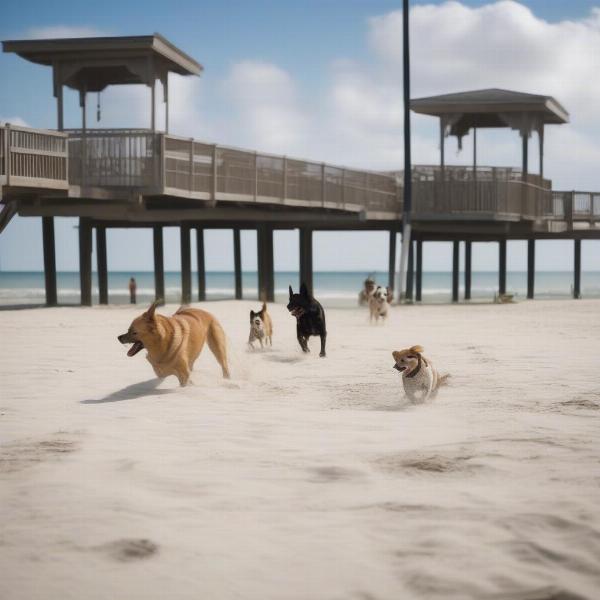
(264, 238)
(85, 261)
(502, 267)
(49, 260)
(159, 265)
(306, 258)
(392, 258)
(101, 264)
(201, 264)
(577, 270)
(410, 272)
(530, 268)
(186, 265)
(419, 272)
(237, 263)
(455, 267)
(468, 249)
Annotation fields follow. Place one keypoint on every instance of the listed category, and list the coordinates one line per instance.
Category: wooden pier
(149, 178)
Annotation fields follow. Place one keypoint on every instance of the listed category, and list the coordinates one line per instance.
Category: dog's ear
(251, 314)
(304, 290)
(149, 314)
(291, 292)
(396, 354)
(416, 349)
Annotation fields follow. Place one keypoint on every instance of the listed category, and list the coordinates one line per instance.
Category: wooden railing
(33, 158)
(498, 191)
(161, 164)
(576, 206)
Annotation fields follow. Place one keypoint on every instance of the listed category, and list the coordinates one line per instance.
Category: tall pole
(407, 208)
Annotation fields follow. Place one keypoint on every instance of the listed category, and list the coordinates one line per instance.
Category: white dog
(378, 304)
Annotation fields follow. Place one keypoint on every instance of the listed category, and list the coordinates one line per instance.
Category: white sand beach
(304, 478)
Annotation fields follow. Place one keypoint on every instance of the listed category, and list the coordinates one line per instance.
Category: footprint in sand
(129, 549)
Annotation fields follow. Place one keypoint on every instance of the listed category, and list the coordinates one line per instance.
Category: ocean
(334, 289)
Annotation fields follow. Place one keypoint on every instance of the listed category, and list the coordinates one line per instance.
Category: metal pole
(407, 208)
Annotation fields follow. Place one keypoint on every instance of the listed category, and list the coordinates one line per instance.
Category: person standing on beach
(132, 290)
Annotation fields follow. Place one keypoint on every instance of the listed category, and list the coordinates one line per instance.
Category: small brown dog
(420, 379)
(261, 327)
(174, 343)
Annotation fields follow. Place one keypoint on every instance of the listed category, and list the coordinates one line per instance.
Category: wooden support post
(410, 272)
(201, 264)
(49, 260)
(306, 258)
(237, 263)
(502, 267)
(392, 258)
(468, 248)
(85, 261)
(530, 268)
(419, 272)
(159, 265)
(101, 264)
(186, 265)
(577, 270)
(266, 288)
(455, 265)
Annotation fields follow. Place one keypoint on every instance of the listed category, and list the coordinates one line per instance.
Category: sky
(321, 79)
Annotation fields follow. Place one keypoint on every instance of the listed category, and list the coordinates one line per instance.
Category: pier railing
(501, 192)
(162, 164)
(170, 165)
(576, 206)
(33, 158)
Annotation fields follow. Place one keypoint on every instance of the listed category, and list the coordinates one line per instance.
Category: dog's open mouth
(137, 346)
(297, 311)
(398, 368)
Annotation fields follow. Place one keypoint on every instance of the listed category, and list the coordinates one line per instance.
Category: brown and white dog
(378, 304)
(174, 343)
(420, 379)
(261, 327)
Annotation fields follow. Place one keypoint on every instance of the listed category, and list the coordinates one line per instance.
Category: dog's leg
(218, 346)
(323, 339)
(261, 343)
(301, 339)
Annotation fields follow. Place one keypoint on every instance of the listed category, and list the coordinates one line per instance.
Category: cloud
(18, 121)
(263, 97)
(64, 31)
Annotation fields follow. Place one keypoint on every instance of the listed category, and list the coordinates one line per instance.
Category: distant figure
(132, 290)
(365, 293)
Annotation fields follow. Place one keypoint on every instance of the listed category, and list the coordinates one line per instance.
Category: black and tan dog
(174, 343)
(310, 318)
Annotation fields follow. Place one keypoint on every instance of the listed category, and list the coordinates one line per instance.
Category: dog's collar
(414, 373)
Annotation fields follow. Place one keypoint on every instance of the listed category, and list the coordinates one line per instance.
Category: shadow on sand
(131, 392)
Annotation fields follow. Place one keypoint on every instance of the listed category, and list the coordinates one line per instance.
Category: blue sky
(329, 78)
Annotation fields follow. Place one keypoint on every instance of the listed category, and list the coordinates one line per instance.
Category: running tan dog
(420, 379)
(174, 343)
(261, 327)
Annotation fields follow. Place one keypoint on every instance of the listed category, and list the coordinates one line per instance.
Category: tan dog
(174, 343)
(420, 379)
(378, 304)
(261, 327)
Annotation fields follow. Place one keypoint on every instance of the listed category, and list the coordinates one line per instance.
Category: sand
(304, 478)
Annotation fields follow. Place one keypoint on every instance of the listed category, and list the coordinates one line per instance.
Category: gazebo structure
(462, 112)
(92, 64)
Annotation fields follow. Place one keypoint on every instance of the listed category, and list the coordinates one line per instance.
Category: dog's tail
(443, 379)
(218, 345)
(264, 307)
